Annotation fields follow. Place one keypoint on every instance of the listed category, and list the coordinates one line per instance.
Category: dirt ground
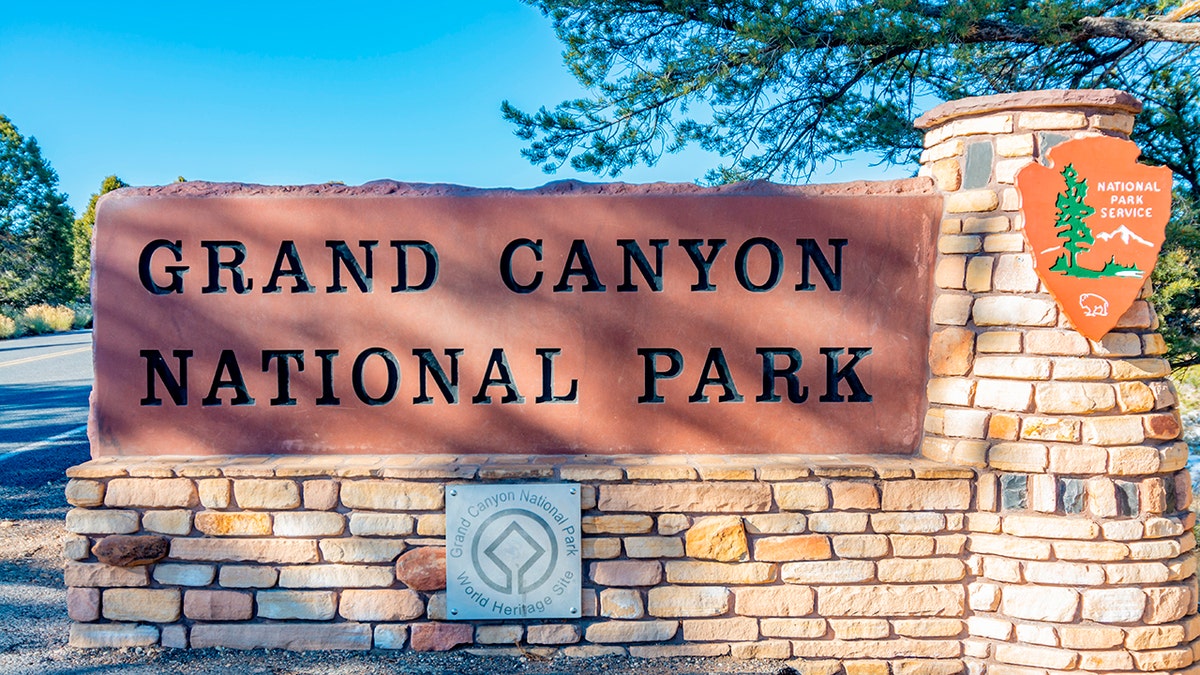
(34, 616)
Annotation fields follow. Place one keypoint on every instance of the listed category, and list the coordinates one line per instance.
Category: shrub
(83, 316)
(47, 319)
(8, 327)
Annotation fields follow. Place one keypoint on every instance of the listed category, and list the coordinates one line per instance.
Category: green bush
(47, 319)
(8, 327)
(83, 316)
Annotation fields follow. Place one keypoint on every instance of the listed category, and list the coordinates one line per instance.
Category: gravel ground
(33, 612)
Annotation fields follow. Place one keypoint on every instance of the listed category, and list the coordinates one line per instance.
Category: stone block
(688, 572)
(686, 497)
(215, 493)
(1077, 459)
(854, 495)
(553, 634)
(176, 574)
(151, 492)
(1013, 367)
(1074, 398)
(320, 495)
(899, 570)
(859, 546)
(308, 605)
(390, 636)
(360, 550)
(1050, 429)
(112, 635)
(83, 604)
(498, 635)
(1040, 603)
(678, 651)
(84, 493)
(81, 574)
(603, 548)
(923, 495)
(266, 494)
(309, 524)
(381, 524)
(1143, 638)
(126, 550)
(859, 629)
(951, 351)
(423, 569)
(619, 632)
(247, 576)
(626, 573)
(774, 601)
(1171, 603)
(972, 201)
(337, 576)
(1050, 527)
(1064, 573)
(711, 630)
(654, 547)
(721, 538)
(141, 604)
(76, 547)
(217, 605)
(1113, 605)
(676, 601)
(828, 572)
(380, 605)
(1043, 657)
(392, 495)
(806, 496)
(937, 600)
(175, 521)
(1024, 457)
(950, 271)
(952, 309)
(761, 649)
(233, 523)
(289, 636)
(794, 547)
(102, 521)
(928, 627)
(673, 523)
(622, 524)
(1004, 395)
(621, 603)
(1014, 310)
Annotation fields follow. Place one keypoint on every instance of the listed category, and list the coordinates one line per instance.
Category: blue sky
(292, 92)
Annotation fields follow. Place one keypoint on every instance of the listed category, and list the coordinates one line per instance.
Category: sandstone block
(950, 271)
(320, 495)
(626, 573)
(215, 493)
(104, 576)
(793, 628)
(859, 629)
(309, 524)
(860, 545)
(1047, 120)
(248, 576)
(102, 521)
(174, 521)
(950, 390)
(621, 603)
(673, 523)
(1113, 605)
(1004, 395)
(83, 604)
(310, 605)
(553, 634)
(984, 597)
(912, 545)
(141, 604)
(151, 492)
(617, 524)
(173, 574)
(762, 649)
(84, 493)
(1113, 431)
(1050, 429)
(1009, 546)
(926, 495)
(1077, 398)
(289, 636)
(380, 605)
(1163, 659)
(674, 601)
(774, 601)
(876, 649)
(928, 627)
(838, 522)
(958, 423)
(423, 569)
(1051, 527)
(380, 524)
(952, 309)
(76, 547)
(1016, 145)
(687, 497)
(360, 550)
(710, 630)
(390, 636)
(913, 522)
(591, 651)
(217, 605)
(971, 201)
(1077, 459)
(498, 635)
(828, 572)
(124, 550)
(1013, 367)
(794, 547)
(338, 576)
(617, 632)
(947, 173)
(653, 547)
(1064, 573)
(721, 538)
(807, 496)
(233, 523)
(1024, 457)
(1143, 638)
(112, 635)
(899, 570)
(951, 350)
(687, 572)
(678, 651)
(854, 495)
(603, 548)
(1014, 310)
(1170, 603)
(1043, 657)
(266, 494)
(391, 495)
(891, 600)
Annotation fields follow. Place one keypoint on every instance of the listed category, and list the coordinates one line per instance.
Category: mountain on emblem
(1095, 220)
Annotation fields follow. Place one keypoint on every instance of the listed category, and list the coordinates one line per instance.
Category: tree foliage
(35, 225)
(81, 237)
(778, 88)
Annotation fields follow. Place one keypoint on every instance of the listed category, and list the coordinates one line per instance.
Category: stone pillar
(1081, 545)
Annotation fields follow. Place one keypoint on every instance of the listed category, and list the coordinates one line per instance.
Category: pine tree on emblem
(1069, 221)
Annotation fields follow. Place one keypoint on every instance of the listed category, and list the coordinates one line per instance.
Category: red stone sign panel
(572, 319)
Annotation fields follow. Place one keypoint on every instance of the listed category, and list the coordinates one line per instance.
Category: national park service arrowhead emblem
(1095, 220)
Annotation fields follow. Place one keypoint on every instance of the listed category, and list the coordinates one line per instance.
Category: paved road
(45, 382)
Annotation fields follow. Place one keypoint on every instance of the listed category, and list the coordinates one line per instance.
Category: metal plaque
(512, 551)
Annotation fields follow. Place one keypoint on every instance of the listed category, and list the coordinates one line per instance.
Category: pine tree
(81, 235)
(1069, 221)
(35, 225)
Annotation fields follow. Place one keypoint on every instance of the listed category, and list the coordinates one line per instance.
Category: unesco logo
(514, 551)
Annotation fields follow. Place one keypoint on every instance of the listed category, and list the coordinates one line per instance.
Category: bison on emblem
(1093, 305)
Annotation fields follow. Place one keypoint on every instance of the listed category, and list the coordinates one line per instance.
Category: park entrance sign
(576, 319)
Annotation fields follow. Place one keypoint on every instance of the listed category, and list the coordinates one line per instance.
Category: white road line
(38, 445)
(30, 359)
